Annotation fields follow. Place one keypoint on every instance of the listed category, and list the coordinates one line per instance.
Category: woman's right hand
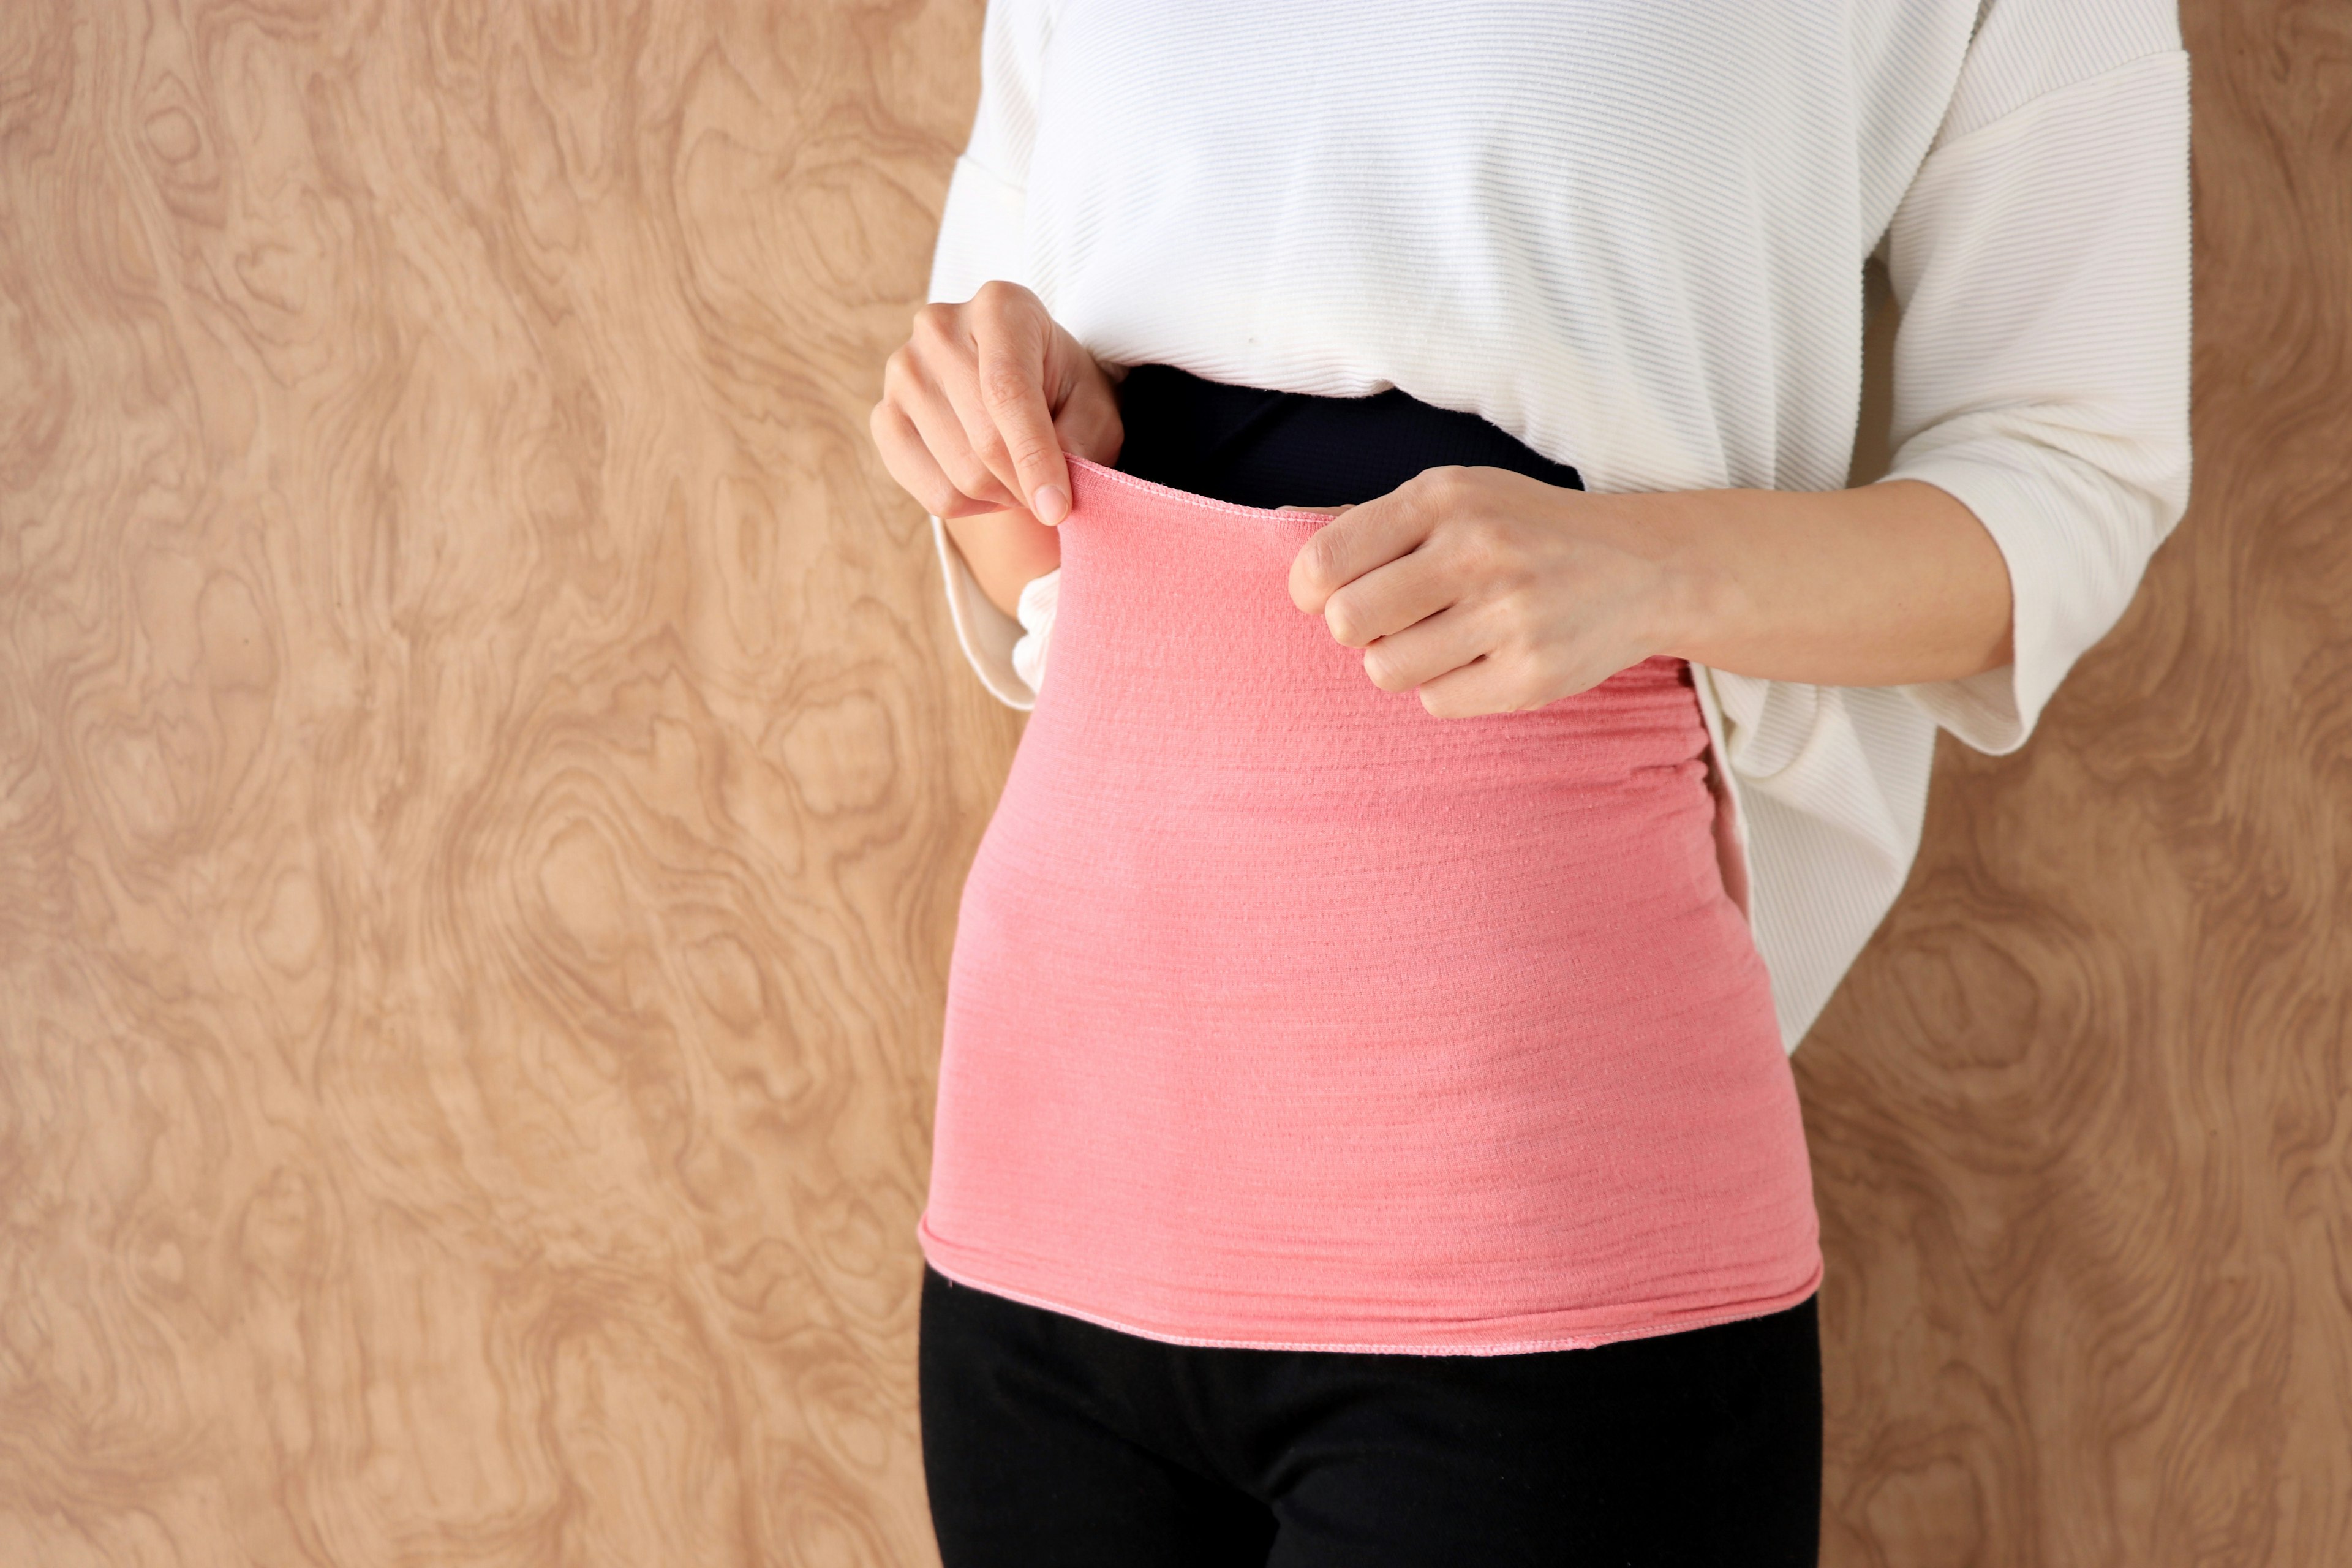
(981, 402)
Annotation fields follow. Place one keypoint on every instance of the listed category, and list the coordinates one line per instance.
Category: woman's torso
(1282, 1013)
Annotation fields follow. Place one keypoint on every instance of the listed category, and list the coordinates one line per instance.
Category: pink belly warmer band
(1282, 1013)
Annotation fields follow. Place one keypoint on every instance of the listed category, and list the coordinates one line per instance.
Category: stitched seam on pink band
(1186, 498)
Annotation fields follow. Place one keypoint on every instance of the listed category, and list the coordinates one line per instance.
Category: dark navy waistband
(1253, 447)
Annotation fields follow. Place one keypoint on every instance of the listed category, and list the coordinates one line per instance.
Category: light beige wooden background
(486, 776)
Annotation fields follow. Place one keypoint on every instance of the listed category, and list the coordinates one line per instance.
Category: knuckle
(1322, 556)
(998, 293)
(988, 453)
(1444, 483)
(989, 306)
(1480, 540)
(1003, 385)
(938, 342)
(985, 432)
(1512, 615)
(967, 472)
(1029, 452)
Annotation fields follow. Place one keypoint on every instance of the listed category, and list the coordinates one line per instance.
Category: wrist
(1692, 596)
(1005, 550)
(1881, 584)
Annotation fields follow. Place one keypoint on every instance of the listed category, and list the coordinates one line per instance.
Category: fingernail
(1050, 504)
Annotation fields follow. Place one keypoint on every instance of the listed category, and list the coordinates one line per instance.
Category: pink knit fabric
(1282, 1013)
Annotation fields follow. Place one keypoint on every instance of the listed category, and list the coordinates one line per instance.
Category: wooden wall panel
(483, 787)
(486, 775)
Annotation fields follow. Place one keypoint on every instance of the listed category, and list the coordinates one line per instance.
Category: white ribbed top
(1633, 235)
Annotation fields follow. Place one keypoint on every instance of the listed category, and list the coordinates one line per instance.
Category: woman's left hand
(1491, 592)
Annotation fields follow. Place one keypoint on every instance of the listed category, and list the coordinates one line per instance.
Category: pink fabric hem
(932, 1248)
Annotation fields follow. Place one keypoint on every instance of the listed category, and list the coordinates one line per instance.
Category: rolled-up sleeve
(2040, 260)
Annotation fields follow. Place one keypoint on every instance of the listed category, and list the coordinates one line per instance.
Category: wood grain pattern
(485, 776)
(482, 791)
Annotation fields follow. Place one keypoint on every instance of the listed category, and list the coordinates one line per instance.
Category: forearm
(1883, 584)
(1005, 550)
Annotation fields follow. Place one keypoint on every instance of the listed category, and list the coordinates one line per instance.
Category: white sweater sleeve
(2040, 260)
(980, 238)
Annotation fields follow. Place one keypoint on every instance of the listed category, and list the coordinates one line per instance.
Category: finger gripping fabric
(1284, 1013)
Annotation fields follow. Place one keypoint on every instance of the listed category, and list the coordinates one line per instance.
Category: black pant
(1051, 1442)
